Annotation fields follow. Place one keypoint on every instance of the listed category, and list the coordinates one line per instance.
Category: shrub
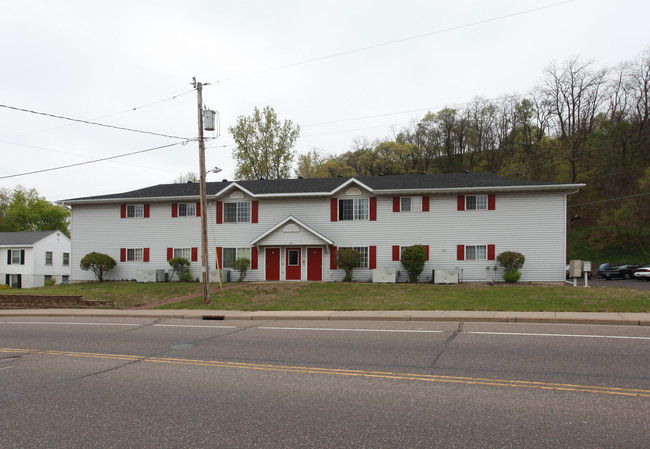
(242, 265)
(512, 261)
(180, 266)
(348, 259)
(512, 276)
(98, 263)
(413, 259)
(50, 282)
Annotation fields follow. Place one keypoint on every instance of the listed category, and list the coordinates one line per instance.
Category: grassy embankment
(356, 296)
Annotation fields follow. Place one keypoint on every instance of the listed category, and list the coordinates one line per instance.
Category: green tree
(413, 260)
(98, 263)
(242, 265)
(263, 145)
(25, 210)
(512, 261)
(181, 267)
(348, 259)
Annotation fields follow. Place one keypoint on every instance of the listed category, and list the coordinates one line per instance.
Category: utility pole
(204, 201)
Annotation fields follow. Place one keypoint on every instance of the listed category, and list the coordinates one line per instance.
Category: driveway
(621, 283)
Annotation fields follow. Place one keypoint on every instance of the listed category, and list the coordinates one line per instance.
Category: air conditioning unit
(384, 276)
(146, 276)
(445, 276)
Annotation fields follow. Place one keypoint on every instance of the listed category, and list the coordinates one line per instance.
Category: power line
(610, 199)
(94, 161)
(396, 41)
(90, 123)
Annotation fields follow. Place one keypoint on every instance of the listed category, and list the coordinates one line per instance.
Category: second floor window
(353, 209)
(135, 210)
(239, 212)
(187, 209)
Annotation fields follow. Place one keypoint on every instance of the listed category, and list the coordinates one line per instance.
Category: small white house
(29, 259)
(291, 229)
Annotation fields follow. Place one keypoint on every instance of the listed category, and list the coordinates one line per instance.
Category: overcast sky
(339, 69)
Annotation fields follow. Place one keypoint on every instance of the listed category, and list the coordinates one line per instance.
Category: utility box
(225, 275)
(384, 276)
(445, 276)
(146, 276)
(209, 120)
(575, 268)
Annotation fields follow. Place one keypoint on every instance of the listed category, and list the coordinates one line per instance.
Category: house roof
(23, 238)
(327, 186)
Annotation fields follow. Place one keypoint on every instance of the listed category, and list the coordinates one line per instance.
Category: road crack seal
(444, 349)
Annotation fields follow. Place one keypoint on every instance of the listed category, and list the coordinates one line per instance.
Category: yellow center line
(345, 372)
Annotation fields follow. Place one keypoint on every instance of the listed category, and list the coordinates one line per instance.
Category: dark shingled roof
(326, 185)
(23, 238)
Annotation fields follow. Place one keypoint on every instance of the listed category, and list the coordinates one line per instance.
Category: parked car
(620, 271)
(643, 272)
(602, 267)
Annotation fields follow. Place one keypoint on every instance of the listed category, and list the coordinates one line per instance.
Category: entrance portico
(293, 251)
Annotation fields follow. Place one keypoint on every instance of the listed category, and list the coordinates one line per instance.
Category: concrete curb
(602, 318)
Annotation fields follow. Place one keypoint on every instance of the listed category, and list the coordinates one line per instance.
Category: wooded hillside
(580, 124)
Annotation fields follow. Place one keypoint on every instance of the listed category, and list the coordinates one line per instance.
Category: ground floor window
(476, 252)
(134, 254)
(232, 254)
(14, 280)
(363, 250)
(183, 252)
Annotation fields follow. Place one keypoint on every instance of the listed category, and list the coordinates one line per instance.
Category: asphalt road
(82, 382)
(620, 283)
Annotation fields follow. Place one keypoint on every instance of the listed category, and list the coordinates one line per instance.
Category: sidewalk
(612, 318)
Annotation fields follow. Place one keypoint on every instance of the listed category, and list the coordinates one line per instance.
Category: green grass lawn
(357, 296)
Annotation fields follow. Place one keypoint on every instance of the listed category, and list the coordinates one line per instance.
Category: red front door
(314, 264)
(294, 267)
(272, 260)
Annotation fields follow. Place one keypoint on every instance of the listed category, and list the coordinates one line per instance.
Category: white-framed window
(476, 202)
(475, 252)
(237, 212)
(48, 257)
(134, 210)
(410, 204)
(232, 254)
(363, 251)
(187, 209)
(354, 208)
(66, 259)
(183, 252)
(15, 256)
(134, 254)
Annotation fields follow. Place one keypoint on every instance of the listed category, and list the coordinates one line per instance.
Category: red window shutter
(373, 208)
(146, 211)
(396, 203)
(460, 252)
(333, 258)
(195, 254)
(372, 256)
(461, 202)
(198, 209)
(490, 254)
(425, 204)
(426, 248)
(254, 258)
(255, 211)
(170, 253)
(145, 255)
(174, 210)
(219, 212)
(396, 252)
(491, 202)
(123, 211)
(334, 202)
(122, 254)
(219, 254)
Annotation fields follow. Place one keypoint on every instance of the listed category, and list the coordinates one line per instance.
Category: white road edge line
(195, 325)
(69, 323)
(407, 331)
(527, 334)
(6, 367)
